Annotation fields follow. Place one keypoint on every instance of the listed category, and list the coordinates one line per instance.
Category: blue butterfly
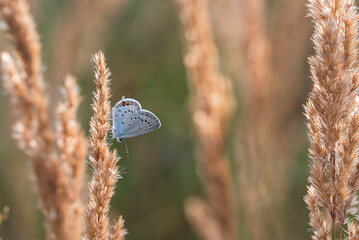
(129, 120)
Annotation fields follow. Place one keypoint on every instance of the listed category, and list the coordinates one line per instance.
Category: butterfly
(130, 120)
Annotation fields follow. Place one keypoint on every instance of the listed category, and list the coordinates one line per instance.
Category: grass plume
(58, 172)
(103, 160)
(211, 105)
(72, 145)
(333, 117)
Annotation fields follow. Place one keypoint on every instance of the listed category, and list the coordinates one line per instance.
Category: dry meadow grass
(244, 191)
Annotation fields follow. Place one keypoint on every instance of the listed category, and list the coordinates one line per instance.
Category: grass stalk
(58, 169)
(103, 161)
(332, 113)
(211, 105)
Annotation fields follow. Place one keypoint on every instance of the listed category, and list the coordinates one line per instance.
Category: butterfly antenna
(126, 147)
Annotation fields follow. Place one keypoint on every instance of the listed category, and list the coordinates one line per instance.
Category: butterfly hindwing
(144, 123)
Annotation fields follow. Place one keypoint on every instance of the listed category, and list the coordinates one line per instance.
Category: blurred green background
(143, 44)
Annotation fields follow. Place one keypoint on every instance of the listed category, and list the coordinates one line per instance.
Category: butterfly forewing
(123, 113)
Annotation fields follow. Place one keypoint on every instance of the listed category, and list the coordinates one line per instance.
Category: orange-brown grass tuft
(58, 173)
(333, 117)
(211, 106)
(263, 60)
(26, 40)
(199, 215)
(119, 230)
(103, 160)
(72, 146)
(262, 152)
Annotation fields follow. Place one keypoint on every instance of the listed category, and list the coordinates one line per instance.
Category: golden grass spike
(199, 214)
(32, 127)
(211, 105)
(58, 179)
(103, 160)
(119, 230)
(72, 145)
(332, 115)
(26, 40)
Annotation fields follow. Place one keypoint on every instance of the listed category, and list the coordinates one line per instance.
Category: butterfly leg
(122, 140)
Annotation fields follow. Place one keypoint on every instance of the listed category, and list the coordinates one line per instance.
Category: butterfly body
(130, 120)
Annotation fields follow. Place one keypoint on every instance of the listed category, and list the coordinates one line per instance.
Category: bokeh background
(143, 44)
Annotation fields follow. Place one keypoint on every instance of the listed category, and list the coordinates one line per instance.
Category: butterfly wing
(144, 122)
(123, 113)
